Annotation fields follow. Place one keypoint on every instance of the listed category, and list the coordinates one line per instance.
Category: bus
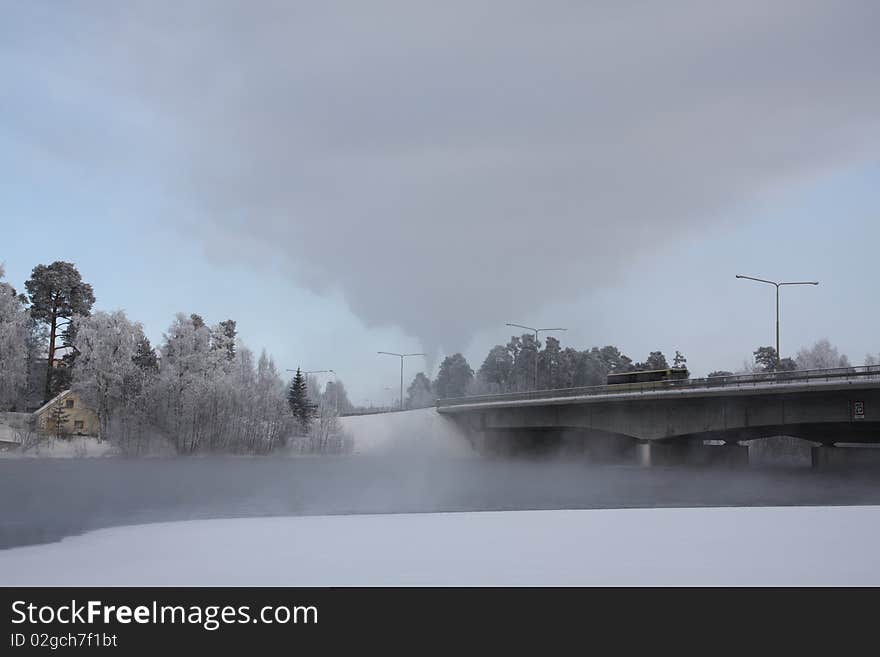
(648, 376)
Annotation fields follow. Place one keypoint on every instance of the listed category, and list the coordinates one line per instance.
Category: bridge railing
(733, 381)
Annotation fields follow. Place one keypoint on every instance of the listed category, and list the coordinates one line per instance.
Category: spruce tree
(145, 356)
(298, 401)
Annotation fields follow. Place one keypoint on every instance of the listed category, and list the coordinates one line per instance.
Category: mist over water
(406, 462)
(52, 498)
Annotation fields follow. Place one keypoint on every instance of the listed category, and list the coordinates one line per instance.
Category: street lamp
(536, 331)
(778, 285)
(401, 356)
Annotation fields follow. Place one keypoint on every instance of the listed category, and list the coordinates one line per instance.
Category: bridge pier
(830, 455)
(652, 453)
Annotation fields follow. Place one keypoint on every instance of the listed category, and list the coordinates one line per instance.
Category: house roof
(52, 401)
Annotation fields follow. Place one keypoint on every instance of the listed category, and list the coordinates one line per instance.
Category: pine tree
(57, 293)
(298, 401)
(228, 333)
(145, 356)
(767, 359)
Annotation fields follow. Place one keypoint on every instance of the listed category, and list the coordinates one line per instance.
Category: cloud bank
(449, 166)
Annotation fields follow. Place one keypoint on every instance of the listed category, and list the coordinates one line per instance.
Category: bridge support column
(665, 454)
(829, 456)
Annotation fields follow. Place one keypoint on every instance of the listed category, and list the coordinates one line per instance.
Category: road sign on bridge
(858, 410)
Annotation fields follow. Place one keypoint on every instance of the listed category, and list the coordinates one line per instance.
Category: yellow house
(67, 415)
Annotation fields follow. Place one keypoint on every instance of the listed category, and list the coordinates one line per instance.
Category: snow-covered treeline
(202, 391)
(14, 331)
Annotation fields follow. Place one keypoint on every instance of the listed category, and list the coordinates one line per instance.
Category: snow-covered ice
(705, 546)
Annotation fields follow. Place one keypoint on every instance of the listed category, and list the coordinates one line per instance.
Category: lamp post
(536, 331)
(401, 356)
(778, 285)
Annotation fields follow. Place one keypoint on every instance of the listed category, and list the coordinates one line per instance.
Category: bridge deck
(775, 383)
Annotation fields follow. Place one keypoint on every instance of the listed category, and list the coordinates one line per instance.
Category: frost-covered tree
(187, 347)
(268, 422)
(15, 331)
(37, 340)
(202, 401)
(315, 415)
(57, 294)
(336, 394)
(223, 337)
(190, 386)
(106, 375)
(822, 355)
(325, 434)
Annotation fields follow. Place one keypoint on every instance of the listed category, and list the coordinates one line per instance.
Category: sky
(347, 178)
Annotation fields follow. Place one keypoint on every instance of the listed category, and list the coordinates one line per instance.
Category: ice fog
(408, 462)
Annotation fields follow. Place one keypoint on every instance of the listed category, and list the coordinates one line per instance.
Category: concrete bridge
(693, 420)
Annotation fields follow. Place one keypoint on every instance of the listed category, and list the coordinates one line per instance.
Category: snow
(706, 546)
(11, 426)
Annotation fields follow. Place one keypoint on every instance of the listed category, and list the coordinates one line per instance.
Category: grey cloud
(451, 165)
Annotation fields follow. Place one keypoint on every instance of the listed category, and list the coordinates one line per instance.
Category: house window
(69, 403)
(77, 424)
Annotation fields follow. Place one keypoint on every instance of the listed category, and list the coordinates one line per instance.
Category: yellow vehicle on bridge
(639, 378)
